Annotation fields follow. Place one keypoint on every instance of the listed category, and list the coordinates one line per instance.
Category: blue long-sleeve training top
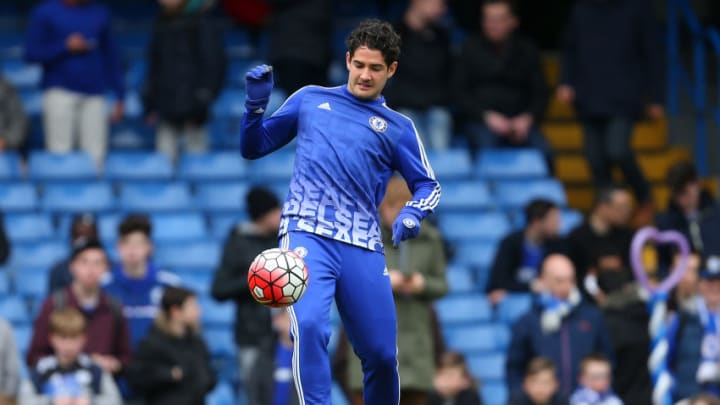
(347, 150)
(92, 72)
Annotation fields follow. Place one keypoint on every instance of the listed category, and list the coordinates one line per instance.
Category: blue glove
(406, 225)
(259, 85)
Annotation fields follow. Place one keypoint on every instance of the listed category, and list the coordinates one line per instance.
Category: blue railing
(680, 14)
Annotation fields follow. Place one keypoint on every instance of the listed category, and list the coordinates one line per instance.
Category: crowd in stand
(128, 331)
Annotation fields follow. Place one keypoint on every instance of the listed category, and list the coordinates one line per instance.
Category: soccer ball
(277, 277)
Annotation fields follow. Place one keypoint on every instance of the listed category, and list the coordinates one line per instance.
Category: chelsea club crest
(378, 124)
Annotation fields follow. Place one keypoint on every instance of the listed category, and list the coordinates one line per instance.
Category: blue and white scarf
(709, 369)
(555, 310)
(586, 396)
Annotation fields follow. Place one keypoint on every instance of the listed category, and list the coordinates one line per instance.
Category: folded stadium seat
(108, 226)
(31, 100)
(221, 224)
(155, 197)
(229, 104)
(29, 227)
(14, 310)
(182, 256)
(219, 339)
(451, 164)
(16, 197)
(518, 193)
(37, 255)
(222, 394)
(513, 307)
(138, 166)
(214, 166)
(131, 134)
(198, 281)
(487, 337)
(494, 392)
(475, 253)
(10, 166)
(77, 197)
(463, 309)
(5, 287)
(487, 366)
(22, 75)
(31, 284)
(511, 163)
(277, 166)
(168, 227)
(73, 166)
(22, 334)
(217, 314)
(221, 197)
(468, 195)
(11, 44)
(491, 226)
(460, 279)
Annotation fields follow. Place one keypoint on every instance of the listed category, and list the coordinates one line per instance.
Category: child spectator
(9, 365)
(69, 377)
(172, 363)
(540, 386)
(136, 282)
(453, 383)
(595, 379)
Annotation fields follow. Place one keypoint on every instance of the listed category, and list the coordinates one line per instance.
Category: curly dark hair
(135, 223)
(375, 34)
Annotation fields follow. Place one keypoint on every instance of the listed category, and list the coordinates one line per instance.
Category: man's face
(67, 348)
(89, 267)
(134, 249)
(689, 198)
(558, 276)
(541, 386)
(367, 73)
(498, 22)
(596, 376)
(710, 291)
(550, 225)
(432, 10)
(619, 210)
(190, 312)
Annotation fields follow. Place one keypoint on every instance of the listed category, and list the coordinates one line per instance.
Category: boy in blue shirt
(349, 145)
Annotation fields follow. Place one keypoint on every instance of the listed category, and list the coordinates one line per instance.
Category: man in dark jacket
(517, 261)
(612, 72)
(499, 85)
(560, 326)
(185, 74)
(82, 229)
(253, 324)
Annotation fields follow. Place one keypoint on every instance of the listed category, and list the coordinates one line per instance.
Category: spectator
(82, 230)
(540, 386)
(299, 34)
(625, 312)
(69, 376)
(186, 71)
(421, 90)
(417, 280)
(284, 390)
(560, 326)
(499, 84)
(604, 238)
(702, 399)
(5, 248)
(136, 282)
(686, 291)
(72, 41)
(612, 71)
(595, 379)
(689, 204)
(9, 365)
(13, 121)
(453, 383)
(253, 326)
(518, 259)
(104, 324)
(694, 358)
(172, 363)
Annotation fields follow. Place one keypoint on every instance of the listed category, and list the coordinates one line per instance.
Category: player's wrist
(412, 211)
(256, 106)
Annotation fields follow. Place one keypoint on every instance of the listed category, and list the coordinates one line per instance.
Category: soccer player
(349, 143)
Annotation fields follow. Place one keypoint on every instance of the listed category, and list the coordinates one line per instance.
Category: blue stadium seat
(18, 197)
(131, 134)
(466, 308)
(220, 224)
(217, 314)
(237, 70)
(276, 166)
(135, 74)
(37, 255)
(212, 166)
(476, 254)
(478, 338)
(460, 279)
(133, 105)
(108, 227)
(143, 166)
(14, 310)
(155, 197)
(465, 196)
(31, 100)
(230, 104)
(22, 75)
(29, 227)
(221, 197)
(491, 226)
(494, 392)
(46, 166)
(198, 281)
(178, 227)
(78, 197)
(518, 193)
(31, 284)
(189, 255)
(487, 366)
(23, 334)
(9, 166)
(513, 307)
(569, 220)
(220, 339)
(511, 163)
(222, 394)
(451, 164)
(4, 282)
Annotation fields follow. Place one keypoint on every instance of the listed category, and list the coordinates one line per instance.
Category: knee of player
(381, 357)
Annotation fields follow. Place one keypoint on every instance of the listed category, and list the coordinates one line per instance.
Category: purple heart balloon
(649, 233)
